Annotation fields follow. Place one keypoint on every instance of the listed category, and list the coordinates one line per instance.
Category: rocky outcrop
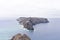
(28, 22)
(20, 37)
(28, 25)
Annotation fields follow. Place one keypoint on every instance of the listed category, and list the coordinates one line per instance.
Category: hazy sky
(38, 8)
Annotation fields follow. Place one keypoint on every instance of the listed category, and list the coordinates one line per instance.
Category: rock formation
(28, 22)
(20, 37)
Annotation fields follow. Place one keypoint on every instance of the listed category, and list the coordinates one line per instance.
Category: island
(29, 22)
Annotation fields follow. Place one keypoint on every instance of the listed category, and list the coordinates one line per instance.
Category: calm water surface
(45, 31)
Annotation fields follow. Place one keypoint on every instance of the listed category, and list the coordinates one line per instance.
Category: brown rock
(20, 37)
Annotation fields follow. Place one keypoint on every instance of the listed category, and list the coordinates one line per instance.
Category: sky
(29, 8)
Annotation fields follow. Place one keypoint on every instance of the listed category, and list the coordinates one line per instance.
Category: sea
(42, 31)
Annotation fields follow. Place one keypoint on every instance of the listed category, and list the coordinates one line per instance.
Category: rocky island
(29, 22)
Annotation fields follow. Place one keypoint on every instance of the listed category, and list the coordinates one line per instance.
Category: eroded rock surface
(28, 22)
(20, 37)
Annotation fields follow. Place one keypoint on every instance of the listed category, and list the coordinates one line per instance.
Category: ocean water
(43, 31)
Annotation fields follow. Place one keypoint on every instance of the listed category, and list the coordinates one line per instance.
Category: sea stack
(29, 22)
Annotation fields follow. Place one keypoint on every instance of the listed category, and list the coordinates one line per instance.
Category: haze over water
(44, 31)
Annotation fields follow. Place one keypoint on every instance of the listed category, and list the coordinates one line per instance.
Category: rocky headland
(29, 22)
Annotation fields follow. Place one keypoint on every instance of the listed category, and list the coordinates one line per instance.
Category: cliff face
(28, 22)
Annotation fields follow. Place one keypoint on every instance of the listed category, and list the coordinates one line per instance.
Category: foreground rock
(20, 37)
(28, 22)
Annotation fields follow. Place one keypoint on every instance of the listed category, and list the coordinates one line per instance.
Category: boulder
(28, 22)
(20, 37)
